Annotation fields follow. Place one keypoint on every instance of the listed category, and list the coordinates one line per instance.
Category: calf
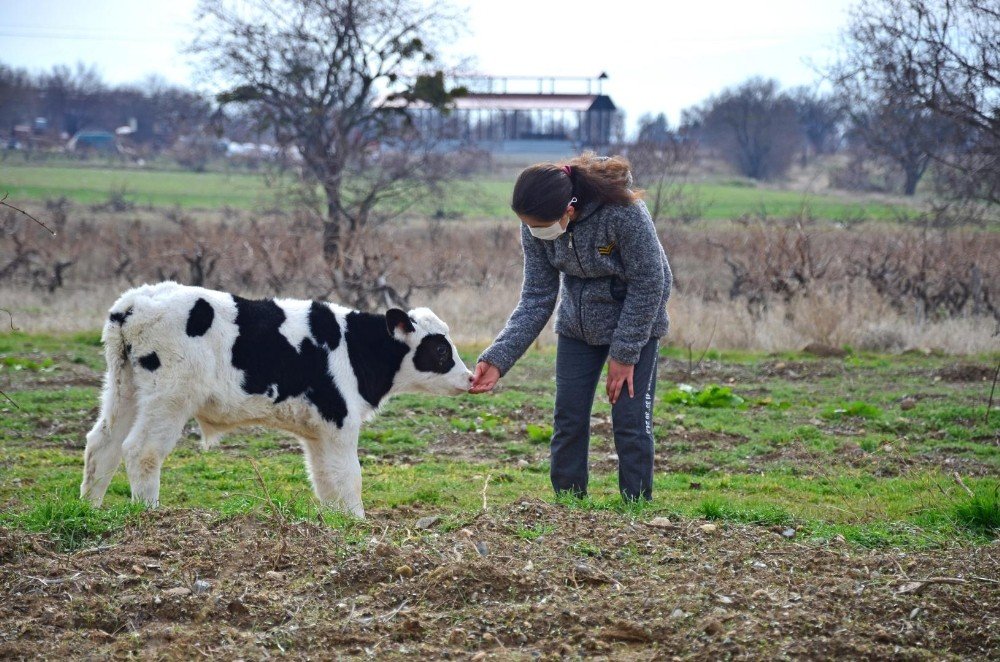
(314, 369)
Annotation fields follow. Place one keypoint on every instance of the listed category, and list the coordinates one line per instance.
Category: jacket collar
(586, 212)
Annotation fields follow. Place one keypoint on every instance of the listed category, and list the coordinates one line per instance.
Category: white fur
(143, 412)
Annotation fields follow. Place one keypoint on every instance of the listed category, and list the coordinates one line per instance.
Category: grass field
(476, 198)
(803, 491)
(822, 444)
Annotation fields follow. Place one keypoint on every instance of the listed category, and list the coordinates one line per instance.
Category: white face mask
(549, 232)
(554, 231)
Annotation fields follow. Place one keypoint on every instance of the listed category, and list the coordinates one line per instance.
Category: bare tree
(316, 73)
(661, 161)
(820, 117)
(754, 126)
(939, 62)
(902, 133)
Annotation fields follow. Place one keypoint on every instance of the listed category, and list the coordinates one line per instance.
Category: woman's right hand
(485, 378)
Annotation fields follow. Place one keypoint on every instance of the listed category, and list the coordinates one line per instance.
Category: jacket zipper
(583, 283)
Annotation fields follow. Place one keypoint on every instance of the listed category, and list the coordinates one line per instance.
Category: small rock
(788, 533)
(712, 627)
(708, 528)
(201, 586)
(138, 569)
(916, 612)
(427, 522)
(907, 403)
(237, 608)
(677, 613)
(404, 571)
(522, 463)
(383, 549)
(724, 599)
(178, 592)
(274, 575)
(760, 565)
(482, 548)
(662, 523)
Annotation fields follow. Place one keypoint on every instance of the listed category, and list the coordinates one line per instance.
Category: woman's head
(545, 192)
(542, 192)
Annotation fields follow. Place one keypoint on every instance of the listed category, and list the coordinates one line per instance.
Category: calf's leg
(156, 431)
(334, 469)
(103, 453)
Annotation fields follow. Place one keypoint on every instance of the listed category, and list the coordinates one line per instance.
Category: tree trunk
(332, 229)
(912, 178)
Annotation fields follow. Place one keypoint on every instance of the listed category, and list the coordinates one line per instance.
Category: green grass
(980, 513)
(716, 509)
(727, 200)
(144, 187)
(70, 522)
(829, 453)
(482, 197)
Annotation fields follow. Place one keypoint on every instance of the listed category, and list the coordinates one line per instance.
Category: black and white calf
(314, 369)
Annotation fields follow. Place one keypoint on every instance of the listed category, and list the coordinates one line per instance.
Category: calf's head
(432, 365)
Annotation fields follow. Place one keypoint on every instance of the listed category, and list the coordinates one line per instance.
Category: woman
(587, 235)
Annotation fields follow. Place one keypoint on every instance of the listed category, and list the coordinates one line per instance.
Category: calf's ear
(398, 320)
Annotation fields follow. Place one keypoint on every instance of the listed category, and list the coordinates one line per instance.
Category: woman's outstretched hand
(619, 374)
(485, 378)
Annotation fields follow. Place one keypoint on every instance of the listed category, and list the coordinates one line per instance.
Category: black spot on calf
(272, 366)
(323, 326)
(434, 354)
(375, 355)
(119, 318)
(200, 318)
(150, 361)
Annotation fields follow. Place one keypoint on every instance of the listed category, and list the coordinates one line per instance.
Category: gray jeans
(578, 371)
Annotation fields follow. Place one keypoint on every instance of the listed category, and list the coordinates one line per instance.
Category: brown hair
(543, 191)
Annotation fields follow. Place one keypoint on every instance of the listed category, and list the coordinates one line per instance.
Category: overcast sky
(659, 56)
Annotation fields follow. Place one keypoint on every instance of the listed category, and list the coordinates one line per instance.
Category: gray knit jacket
(611, 277)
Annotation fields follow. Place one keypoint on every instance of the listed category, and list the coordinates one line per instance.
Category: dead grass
(863, 321)
(800, 284)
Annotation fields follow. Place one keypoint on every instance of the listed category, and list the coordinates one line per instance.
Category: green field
(823, 445)
(476, 198)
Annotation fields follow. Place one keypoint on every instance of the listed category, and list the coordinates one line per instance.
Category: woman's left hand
(619, 374)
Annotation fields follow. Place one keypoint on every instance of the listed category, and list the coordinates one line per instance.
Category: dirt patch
(186, 584)
(800, 370)
(967, 372)
(707, 372)
(64, 372)
(891, 460)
